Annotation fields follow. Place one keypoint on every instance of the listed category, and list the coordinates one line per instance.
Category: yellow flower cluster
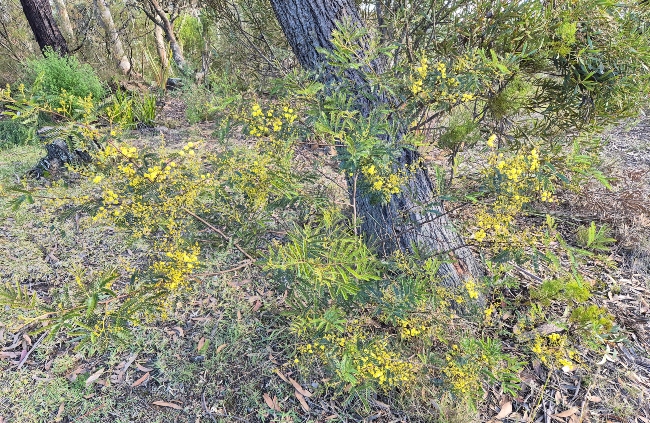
(371, 361)
(467, 97)
(445, 88)
(472, 289)
(188, 149)
(518, 166)
(254, 181)
(377, 362)
(114, 150)
(516, 181)
(266, 124)
(490, 141)
(110, 198)
(421, 74)
(464, 374)
(382, 183)
(489, 311)
(552, 350)
(177, 266)
(151, 198)
(70, 104)
(412, 327)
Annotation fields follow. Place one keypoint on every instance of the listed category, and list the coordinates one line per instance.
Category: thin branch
(220, 232)
(22, 361)
(221, 272)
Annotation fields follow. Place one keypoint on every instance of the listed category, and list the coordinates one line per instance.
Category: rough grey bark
(411, 219)
(114, 41)
(44, 27)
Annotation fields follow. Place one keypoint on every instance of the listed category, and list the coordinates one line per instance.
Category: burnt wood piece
(58, 155)
(174, 83)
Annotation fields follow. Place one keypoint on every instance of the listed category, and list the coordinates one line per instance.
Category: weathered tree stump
(58, 155)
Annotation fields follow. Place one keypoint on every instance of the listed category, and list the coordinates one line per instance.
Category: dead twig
(205, 407)
(220, 232)
(22, 361)
(221, 272)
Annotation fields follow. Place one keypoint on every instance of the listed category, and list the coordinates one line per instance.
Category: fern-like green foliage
(17, 296)
(13, 133)
(595, 238)
(91, 314)
(326, 260)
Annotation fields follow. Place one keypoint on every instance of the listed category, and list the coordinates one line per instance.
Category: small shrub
(120, 110)
(595, 239)
(144, 110)
(13, 132)
(54, 74)
(569, 289)
(592, 318)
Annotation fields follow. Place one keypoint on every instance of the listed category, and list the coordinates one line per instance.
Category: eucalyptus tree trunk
(44, 27)
(166, 25)
(412, 219)
(114, 42)
(64, 18)
(161, 47)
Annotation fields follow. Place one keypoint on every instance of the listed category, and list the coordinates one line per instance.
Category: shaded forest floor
(224, 351)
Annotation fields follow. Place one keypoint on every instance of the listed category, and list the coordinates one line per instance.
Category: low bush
(54, 74)
(13, 132)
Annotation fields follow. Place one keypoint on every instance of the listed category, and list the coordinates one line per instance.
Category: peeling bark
(161, 46)
(165, 24)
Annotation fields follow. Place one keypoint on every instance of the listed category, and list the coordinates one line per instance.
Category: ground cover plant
(211, 256)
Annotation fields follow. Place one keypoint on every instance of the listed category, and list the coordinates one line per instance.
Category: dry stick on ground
(22, 361)
(205, 407)
(246, 263)
(217, 230)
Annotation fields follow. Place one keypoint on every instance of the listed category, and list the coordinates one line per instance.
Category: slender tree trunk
(166, 25)
(66, 25)
(201, 76)
(380, 20)
(44, 27)
(161, 46)
(411, 219)
(114, 42)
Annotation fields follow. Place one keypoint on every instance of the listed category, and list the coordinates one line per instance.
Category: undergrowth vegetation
(515, 116)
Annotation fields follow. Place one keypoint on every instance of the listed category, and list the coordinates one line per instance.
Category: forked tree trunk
(44, 27)
(163, 21)
(66, 25)
(411, 219)
(114, 42)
